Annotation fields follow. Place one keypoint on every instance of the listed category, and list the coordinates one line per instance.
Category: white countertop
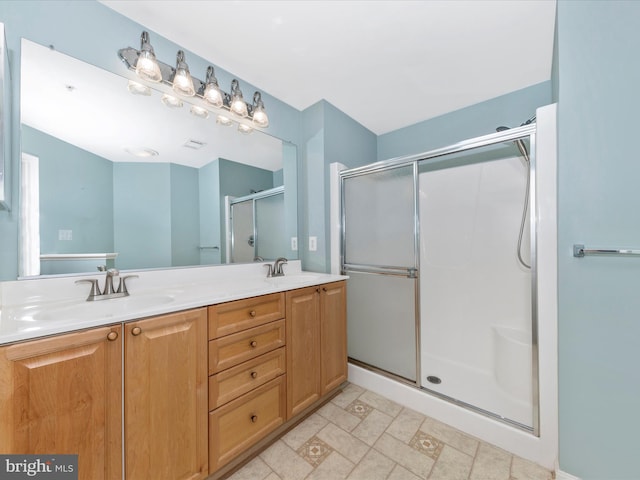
(46, 306)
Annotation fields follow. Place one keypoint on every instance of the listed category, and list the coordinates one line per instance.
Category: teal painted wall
(142, 218)
(86, 196)
(185, 216)
(510, 110)
(598, 174)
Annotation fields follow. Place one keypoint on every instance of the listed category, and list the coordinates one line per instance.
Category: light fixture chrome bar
(579, 251)
(130, 55)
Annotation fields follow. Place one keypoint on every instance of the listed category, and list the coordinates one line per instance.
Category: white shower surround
(543, 449)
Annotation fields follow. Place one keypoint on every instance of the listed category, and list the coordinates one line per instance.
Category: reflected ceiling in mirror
(93, 109)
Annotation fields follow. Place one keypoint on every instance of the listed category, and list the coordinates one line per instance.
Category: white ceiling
(386, 64)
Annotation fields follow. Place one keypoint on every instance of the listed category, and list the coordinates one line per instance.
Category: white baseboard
(560, 475)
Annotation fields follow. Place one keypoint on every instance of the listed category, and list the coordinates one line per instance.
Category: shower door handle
(408, 272)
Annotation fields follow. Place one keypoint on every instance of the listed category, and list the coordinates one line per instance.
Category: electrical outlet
(313, 244)
(294, 243)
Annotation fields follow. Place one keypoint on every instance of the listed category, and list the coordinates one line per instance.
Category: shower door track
(504, 136)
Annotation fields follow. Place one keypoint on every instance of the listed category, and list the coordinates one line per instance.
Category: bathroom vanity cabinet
(63, 395)
(197, 392)
(316, 343)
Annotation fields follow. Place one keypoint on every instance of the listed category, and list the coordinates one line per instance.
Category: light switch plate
(65, 234)
(294, 243)
(313, 244)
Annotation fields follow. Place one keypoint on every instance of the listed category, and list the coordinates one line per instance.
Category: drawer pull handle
(111, 336)
(254, 418)
(253, 344)
(135, 331)
(254, 374)
(252, 313)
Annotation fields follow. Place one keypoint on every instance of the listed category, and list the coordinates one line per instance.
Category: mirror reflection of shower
(525, 155)
(256, 226)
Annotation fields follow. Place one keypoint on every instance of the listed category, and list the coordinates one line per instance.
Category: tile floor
(360, 435)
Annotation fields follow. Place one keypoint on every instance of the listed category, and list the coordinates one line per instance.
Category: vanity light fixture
(171, 101)
(138, 88)
(212, 94)
(146, 65)
(182, 81)
(259, 115)
(205, 95)
(246, 129)
(237, 105)
(199, 111)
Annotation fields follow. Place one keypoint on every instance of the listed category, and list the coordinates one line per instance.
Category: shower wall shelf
(579, 251)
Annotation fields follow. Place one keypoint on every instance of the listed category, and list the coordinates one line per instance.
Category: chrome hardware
(109, 290)
(277, 267)
(111, 336)
(579, 251)
(135, 331)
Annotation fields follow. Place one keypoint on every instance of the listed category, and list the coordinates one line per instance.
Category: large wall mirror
(116, 179)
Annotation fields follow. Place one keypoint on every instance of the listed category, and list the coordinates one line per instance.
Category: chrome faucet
(109, 291)
(277, 267)
(275, 270)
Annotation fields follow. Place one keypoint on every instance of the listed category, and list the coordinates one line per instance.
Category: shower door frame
(505, 136)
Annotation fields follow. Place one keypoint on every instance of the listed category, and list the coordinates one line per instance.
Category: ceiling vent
(194, 144)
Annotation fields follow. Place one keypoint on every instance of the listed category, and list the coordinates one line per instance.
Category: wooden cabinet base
(250, 453)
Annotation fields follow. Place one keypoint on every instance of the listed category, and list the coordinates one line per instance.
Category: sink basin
(101, 308)
(294, 279)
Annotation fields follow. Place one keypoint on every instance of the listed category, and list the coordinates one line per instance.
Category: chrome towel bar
(580, 251)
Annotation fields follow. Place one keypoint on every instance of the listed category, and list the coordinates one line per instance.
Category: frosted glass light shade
(212, 95)
(147, 67)
(182, 81)
(260, 118)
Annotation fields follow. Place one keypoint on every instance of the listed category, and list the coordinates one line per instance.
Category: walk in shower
(440, 249)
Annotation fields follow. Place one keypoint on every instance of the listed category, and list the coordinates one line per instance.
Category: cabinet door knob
(254, 374)
(254, 418)
(253, 344)
(252, 313)
(135, 331)
(111, 336)
(324, 289)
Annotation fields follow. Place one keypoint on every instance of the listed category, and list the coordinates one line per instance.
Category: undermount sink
(294, 279)
(101, 308)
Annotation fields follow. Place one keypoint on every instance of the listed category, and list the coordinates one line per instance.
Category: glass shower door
(380, 257)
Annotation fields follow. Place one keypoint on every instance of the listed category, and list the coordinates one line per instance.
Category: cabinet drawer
(234, 349)
(236, 426)
(232, 317)
(236, 381)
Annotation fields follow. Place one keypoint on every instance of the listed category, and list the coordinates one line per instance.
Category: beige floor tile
(491, 463)
(286, 462)
(372, 427)
(452, 464)
(340, 417)
(296, 437)
(256, 469)
(450, 436)
(344, 443)
(273, 476)
(522, 469)
(401, 453)
(406, 424)
(401, 473)
(348, 395)
(374, 466)
(380, 403)
(334, 467)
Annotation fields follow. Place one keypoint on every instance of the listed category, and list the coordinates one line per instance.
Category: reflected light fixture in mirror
(147, 66)
(182, 81)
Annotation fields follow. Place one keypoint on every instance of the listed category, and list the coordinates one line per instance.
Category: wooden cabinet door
(333, 328)
(62, 395)
(165, 397)
(303, 349)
